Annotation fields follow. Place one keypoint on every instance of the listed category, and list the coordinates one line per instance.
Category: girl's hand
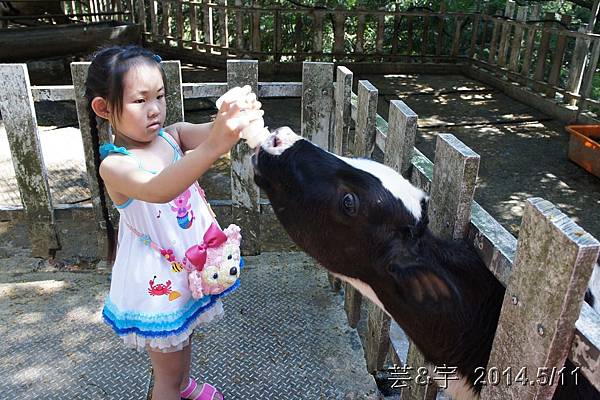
(228, 125)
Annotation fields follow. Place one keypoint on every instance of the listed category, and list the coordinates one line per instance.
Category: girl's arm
(127, 179)
(122, 175)
(189, 136)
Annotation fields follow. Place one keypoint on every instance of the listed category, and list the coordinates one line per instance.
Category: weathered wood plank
(578, 62)
(415, 389)
(377, 342)
(425, 38)
(543, 299)
(588, 77)
(453, 185)
(317, 102)
(277, 45)
(208, 25)
(439, 44)
(239, 26)
(104, 211)
(558, 55)
(18, 113)
(166, 16)
(223, 25)
(410, 34)
(338, 37)
(244, 193)
(474, 35)
(364, 137)
(194, 26)
(343, 113)
(317, 43)
(153, 20)
(544, 46)
(494, 41)
(379, 38)
(515, 51)
(256, 28)
(396, 32)
(529, 44)
(179, 23)
(509, 12)
(400, 141)
(456, 40)
(352, 303)
(174, 93)
(360, 33)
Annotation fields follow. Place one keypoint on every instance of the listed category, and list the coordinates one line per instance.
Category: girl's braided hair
(105, 79)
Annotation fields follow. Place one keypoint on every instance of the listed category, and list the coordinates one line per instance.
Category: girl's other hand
(228, 125)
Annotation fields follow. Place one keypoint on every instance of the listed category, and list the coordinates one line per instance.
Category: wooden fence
(542, 320)
(546, 307)
(544, 56)
(41, 12)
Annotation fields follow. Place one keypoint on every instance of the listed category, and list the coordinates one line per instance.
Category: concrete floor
(284, 336)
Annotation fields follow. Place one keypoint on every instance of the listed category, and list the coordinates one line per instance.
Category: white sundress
(150, 304)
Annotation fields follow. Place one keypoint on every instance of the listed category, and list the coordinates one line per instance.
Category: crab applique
(160, 289)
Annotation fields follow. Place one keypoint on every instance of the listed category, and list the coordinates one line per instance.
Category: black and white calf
(368, 225)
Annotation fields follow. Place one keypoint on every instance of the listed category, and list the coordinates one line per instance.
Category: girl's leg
(187, 365)
(168, 371)
(200, 391)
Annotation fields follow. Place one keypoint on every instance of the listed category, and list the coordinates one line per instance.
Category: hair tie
(157, 58)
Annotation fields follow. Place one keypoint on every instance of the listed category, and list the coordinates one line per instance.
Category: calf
(368, 226)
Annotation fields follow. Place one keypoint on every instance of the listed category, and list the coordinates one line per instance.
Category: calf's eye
(350, 204)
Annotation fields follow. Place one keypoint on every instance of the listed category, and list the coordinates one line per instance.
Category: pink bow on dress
(214, 237)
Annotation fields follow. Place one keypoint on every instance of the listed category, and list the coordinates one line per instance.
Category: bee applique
(175, 265)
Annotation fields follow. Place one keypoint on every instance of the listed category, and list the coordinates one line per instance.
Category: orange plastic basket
(584, 147)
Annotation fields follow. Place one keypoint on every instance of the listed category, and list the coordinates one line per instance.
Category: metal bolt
(515, 300)
(448, 224)
(540, 330)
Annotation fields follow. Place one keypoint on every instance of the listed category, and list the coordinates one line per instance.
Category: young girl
(153, 184)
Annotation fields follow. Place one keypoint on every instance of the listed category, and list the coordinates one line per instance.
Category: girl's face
(144, 106)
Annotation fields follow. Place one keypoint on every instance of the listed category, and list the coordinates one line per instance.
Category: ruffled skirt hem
(172, 343)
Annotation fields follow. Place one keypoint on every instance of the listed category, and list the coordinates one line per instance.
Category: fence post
(104, 212)
(543, 299)
(506, 30)
(557, 56)
(452, 188)
(343, 117)
(578, 61)
(398, 151)
(18, 112)
(515, 52)
(402, 129)
(245, 194)
(317, 102)
(174, 92)
(366, 113)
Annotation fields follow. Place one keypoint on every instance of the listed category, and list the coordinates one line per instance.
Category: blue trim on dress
(122, 206)
(173, 145)
(162, 324)
(108, 148)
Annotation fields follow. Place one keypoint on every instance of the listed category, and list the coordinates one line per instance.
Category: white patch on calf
(393, 182)
(363, 288)
(286, 138)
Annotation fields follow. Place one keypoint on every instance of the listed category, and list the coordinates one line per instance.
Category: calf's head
(358, 218)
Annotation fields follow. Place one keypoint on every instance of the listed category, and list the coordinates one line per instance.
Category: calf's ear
(420, 285)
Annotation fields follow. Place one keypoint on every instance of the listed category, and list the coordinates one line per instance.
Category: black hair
(105, 79)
